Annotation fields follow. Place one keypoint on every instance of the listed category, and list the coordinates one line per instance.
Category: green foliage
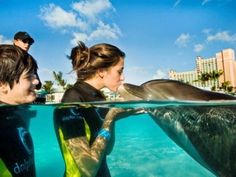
(226, 86)
(48, 86)
(203, 78)
(60, 81)
(58, 78)
(214, 75)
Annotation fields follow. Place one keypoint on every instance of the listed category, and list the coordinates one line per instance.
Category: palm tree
(48, 86)
(203, 77)
(214, 75)
(226, 86)
(60, 81)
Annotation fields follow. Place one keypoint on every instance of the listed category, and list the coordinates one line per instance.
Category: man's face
(23, 91)
(23, 44)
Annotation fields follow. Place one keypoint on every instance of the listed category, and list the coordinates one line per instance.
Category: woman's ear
(101, 73)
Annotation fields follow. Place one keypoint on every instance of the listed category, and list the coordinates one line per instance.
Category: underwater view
(145, 146)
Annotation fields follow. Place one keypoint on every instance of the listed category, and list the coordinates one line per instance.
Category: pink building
(224, 60)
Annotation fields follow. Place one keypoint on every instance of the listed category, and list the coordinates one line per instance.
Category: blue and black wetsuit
(16, 146)
(72, 122)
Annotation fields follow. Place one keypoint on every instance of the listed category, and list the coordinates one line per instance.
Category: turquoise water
(141, 147)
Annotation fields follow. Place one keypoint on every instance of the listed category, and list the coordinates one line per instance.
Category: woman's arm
(88, 158)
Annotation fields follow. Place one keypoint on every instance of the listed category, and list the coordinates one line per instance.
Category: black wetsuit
(74, 126)
(16, 145)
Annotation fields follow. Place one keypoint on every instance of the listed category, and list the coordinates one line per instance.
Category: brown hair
(13, 62)
(86, 61)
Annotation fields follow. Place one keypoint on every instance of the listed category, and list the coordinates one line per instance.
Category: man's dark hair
(13, 62)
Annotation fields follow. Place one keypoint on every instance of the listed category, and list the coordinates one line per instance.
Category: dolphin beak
(130, 92)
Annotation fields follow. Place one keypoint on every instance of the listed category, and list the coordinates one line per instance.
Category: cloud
(56, 17)
(79, 37)
(3, 40)
(198, 47)
(91, 9)
(85, 20)
(222, 36)
(106, 31)
(182, 40)
(160, 74)
(103, 31)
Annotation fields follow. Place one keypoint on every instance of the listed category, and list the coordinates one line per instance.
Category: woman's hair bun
(80, 56)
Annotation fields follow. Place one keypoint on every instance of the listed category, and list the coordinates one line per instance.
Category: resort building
(54, 97)
(223, 61)
(57, 96)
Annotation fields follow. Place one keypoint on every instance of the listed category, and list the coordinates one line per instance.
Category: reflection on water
(141, 147)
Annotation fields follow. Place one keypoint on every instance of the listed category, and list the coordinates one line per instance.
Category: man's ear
(4, 87)
(14, 41)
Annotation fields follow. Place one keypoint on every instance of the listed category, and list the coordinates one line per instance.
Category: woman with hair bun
(85, 135)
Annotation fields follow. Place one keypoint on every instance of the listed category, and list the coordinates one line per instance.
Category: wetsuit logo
(74, 114)
(74, 111)
(24, 166)
(25, 139)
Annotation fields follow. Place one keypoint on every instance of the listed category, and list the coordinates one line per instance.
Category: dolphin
(207, 132)
(164, 89)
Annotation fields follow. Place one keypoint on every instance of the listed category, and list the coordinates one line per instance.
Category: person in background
(17, 86)
(23, 40)
(86, 136)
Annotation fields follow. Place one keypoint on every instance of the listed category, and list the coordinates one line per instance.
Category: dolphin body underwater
(207, 133)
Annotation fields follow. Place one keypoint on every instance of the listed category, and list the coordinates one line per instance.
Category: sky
(155, 35)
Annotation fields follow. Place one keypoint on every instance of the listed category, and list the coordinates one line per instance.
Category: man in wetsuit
(17, 86)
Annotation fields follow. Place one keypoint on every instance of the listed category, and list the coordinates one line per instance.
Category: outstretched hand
(119, 113)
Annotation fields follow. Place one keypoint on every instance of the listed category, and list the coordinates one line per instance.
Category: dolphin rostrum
(207, 132)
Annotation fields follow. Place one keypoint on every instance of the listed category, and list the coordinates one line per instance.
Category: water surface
(141, 147)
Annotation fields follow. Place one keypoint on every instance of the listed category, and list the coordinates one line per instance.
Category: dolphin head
(131, 92)
(164, 89)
